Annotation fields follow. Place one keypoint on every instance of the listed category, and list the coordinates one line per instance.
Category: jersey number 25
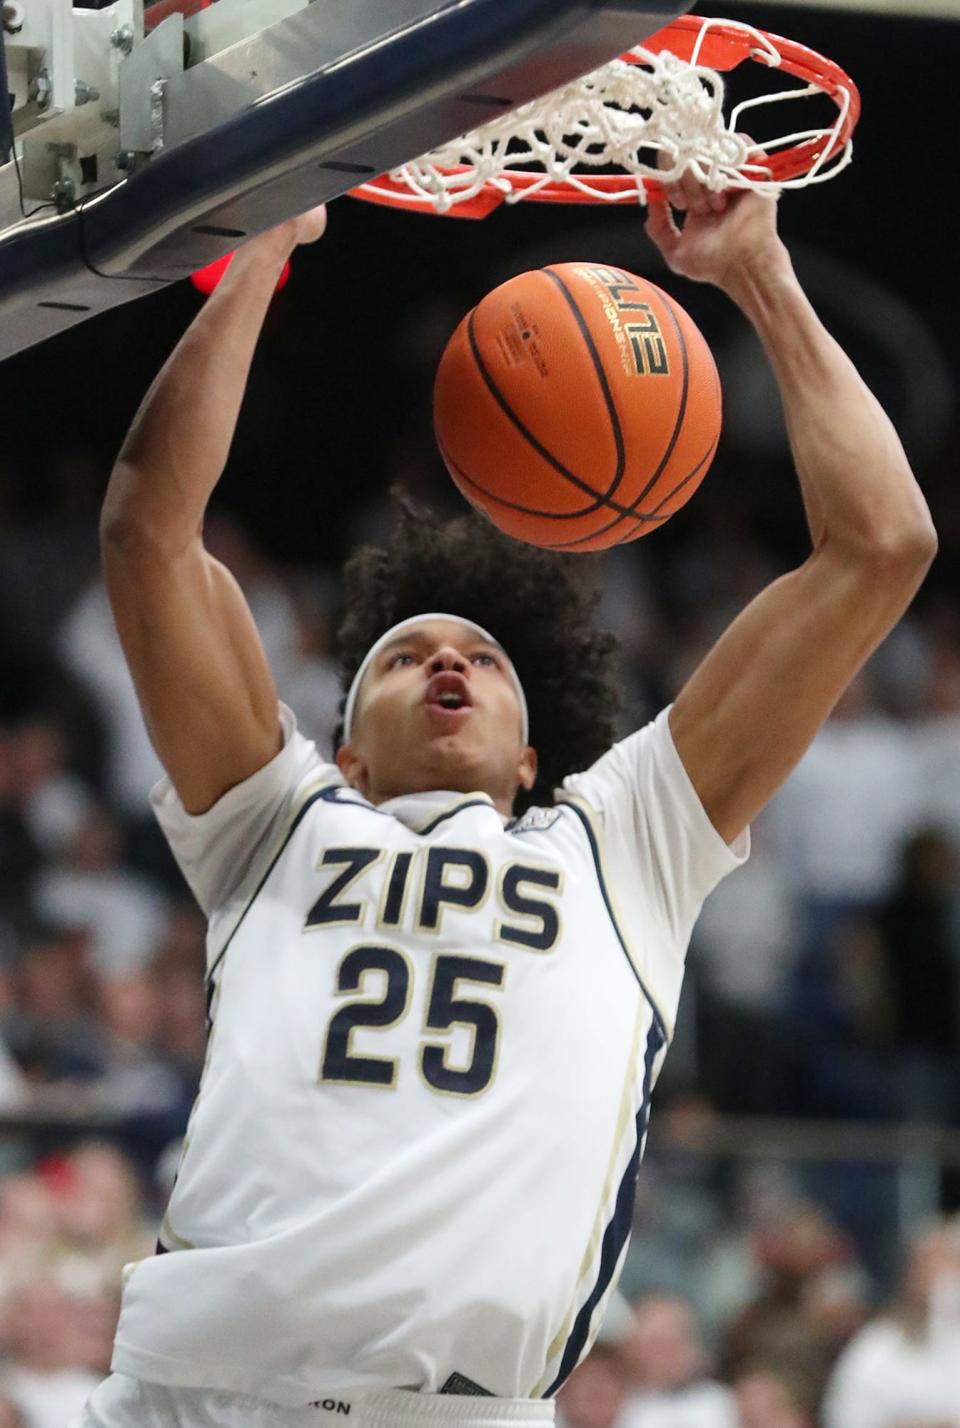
(445, 1011)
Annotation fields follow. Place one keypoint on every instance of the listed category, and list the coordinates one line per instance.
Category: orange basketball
(577, 406)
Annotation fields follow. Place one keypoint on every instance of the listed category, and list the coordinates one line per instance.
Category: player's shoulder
(625, 760)
(308, 776)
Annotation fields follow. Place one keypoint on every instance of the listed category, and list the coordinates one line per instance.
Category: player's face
(438, 710)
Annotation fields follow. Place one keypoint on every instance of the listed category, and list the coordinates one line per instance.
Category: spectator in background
(66, 1230)
(620, 580)
(936, 737)
(135, 1080)
(774, 1396)
(101, 1219)
(676, 1221)
(785, 1324)
(88, 888)
(179, 969)
(13, 1084)
(28, 1226)
(836, 1303)
(131, 1078)
(14, 1092)
(920, 928)
(844, 812)
(903, 1369)
(105, 1043)
(844, 1021)
(43, 1338)
(270, 601)
(667, 1373)
(182, 1022)
(593, 1395)
(52, 801)
(743, 956)
(88, 647)
(313, 686)
(20, 857)
(51, 1028)
(840, 822)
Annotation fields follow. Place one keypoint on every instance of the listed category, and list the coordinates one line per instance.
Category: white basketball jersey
(434, 1037)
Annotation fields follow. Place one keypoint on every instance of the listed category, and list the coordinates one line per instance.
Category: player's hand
(309, 226)
(280, 242)
(723, 234)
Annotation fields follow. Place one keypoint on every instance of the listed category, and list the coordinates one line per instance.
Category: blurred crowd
(786, 1330)
(806, 1350)
(68, 1225)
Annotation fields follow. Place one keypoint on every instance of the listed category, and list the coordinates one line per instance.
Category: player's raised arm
(749, 712)
(201, 675)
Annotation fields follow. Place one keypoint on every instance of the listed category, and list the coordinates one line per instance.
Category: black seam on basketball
(502, 500)
(639, 518)
(571, 545)
(705, 461)
(681, 414)
(650, 517)
(515, 505)
(631, 513)
(601, 374)
(599, 499)
(711, 453)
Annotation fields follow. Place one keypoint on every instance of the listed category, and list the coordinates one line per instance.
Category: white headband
(396, 630)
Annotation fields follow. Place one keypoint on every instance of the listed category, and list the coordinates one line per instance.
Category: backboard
(146, 143)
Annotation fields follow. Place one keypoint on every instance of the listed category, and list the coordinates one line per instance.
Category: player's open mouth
(448, 694)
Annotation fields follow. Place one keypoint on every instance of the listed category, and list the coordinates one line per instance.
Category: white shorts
(125, 1402)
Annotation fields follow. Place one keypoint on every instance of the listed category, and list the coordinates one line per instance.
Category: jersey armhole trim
(587, 816)
(168, 1241)
(581, 1333)
(309, 798)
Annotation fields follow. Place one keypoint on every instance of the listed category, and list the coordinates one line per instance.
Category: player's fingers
(698, 195)
(673, 187)
(684, 193)
(313, 224)
(689, 195)
(661, 227)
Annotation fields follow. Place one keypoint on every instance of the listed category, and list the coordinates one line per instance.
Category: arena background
(805, 1131)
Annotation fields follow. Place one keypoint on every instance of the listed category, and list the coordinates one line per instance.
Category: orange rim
(724, 48)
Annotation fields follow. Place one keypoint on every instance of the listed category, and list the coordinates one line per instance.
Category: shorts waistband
(397, 1408)
(122, 1401)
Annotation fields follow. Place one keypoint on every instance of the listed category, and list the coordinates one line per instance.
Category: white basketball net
(666, 105)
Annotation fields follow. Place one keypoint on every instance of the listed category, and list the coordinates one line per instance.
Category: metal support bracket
(144, 72)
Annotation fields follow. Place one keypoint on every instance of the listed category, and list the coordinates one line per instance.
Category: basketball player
(406, 1185)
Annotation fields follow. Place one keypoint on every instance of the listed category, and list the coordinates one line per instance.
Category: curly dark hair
(525, 596)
